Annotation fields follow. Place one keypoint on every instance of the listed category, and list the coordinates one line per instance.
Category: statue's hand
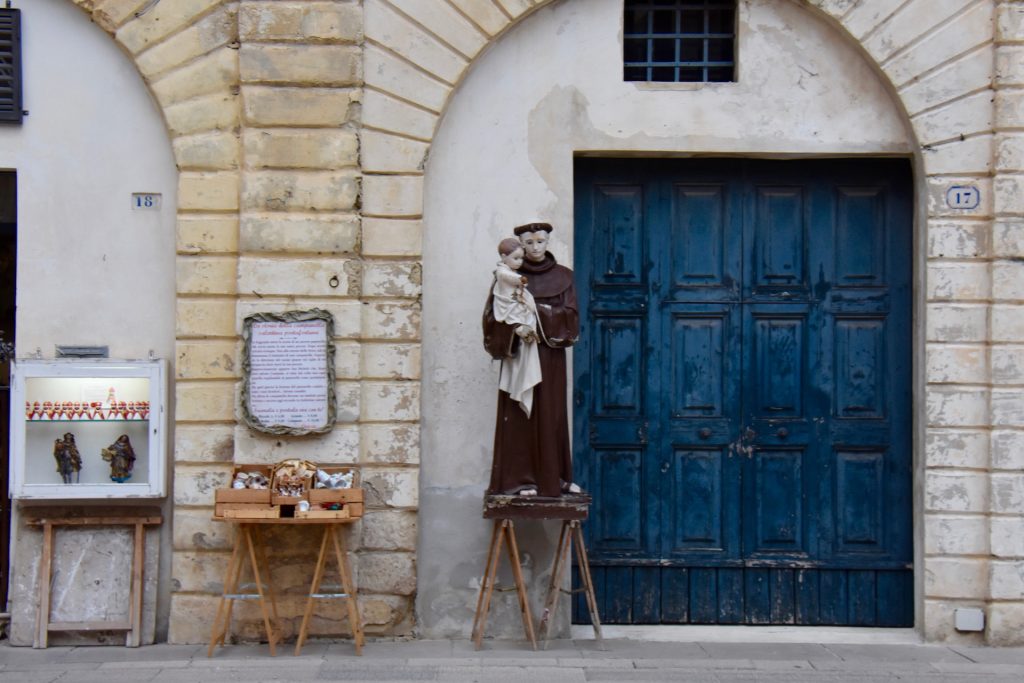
(526, 333)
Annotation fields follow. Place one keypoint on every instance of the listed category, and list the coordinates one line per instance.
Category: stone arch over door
(418, 54)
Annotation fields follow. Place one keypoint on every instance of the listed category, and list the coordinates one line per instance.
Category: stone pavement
(565, 661)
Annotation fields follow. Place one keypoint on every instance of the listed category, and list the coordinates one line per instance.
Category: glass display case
(88, 429)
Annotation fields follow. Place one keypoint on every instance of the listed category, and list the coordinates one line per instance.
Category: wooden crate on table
(232, 503)
(247, 511)
(256, 496)
(350, 500)
(346, 512)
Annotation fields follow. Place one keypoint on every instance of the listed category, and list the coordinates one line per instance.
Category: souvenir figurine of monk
(531, 453)
(514, 305)
(121, 457)
(69, 461)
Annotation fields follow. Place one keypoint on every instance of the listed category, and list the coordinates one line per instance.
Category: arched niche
(548, 90)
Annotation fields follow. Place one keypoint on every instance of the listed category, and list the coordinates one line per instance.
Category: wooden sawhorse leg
(503, 530)
(348, 588)
(45, 579)
(571, 529)
(248, 543)
(134, 637)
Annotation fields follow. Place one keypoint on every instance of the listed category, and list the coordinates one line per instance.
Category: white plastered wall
(503, 155)
(91, 271)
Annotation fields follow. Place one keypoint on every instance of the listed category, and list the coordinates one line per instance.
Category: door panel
(779, 237)
(742, 389)
(618, 472)
(699, 518)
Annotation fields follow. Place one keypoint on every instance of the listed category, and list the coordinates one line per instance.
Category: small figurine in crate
(338, 480)
(292, 477)
(121, 457)
(250, 480)
(69, 461)
(292, 487)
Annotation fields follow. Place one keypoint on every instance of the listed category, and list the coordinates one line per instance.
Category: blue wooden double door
(742, 389)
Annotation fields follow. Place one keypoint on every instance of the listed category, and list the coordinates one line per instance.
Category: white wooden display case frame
(32, 439)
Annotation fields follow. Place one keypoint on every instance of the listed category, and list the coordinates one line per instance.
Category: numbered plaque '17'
(288, 372)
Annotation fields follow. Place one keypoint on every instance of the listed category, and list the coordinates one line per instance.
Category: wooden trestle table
(249, 548)
(571, 510)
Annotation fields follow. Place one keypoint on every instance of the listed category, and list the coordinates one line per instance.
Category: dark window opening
(8, 278)
(679, 41)
(10, 66)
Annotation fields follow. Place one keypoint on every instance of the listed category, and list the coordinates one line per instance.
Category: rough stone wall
(1006, 330)
(294, 170)
(262, 102)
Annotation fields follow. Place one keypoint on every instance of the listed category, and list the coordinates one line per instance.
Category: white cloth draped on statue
(514, 305)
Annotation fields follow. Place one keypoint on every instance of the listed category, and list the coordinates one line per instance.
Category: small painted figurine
(121, 457)
(69, 461)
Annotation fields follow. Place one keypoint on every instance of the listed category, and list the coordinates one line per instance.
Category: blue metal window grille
(679, 41)
(10, 66)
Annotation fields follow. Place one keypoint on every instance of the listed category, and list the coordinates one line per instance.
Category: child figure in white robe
(514, 305)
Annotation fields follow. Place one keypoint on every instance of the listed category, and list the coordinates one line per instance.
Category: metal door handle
(782, 433)
(704, 433)
(665, 467)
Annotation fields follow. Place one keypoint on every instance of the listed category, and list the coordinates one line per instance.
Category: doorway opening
(8, 280)
(743, 389)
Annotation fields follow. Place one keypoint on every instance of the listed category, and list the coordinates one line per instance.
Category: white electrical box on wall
(969, 619)
(88, 429)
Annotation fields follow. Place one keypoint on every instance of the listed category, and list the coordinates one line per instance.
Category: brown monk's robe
(535, 451)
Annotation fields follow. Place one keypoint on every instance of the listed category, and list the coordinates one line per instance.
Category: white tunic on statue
(521, 373)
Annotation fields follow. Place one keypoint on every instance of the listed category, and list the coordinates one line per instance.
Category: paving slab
(132, 654)
(420, 649)
(496, 648)
(653, 675)
(992, 655)
(30, 676)
(596, 662)
(332, 671)
(638, 649)
(260, 658)
(162, 664)
(979, 668)
(783, 665)
(525, 674)
(895, 653)
(16, 655)
(694, 664)
(763, 651)
(135, 675)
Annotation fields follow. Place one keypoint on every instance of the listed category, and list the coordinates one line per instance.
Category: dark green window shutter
(10, 66)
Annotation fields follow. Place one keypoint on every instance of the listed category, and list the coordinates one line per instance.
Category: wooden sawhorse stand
(332, 533)
(249, 544)
(572, 510)
(134, 623)
(571, 528)
(505, 531)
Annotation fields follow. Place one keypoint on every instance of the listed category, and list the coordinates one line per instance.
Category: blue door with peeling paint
(742, 403)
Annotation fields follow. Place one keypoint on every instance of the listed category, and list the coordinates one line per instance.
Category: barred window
(680, 40)
(10, 66)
